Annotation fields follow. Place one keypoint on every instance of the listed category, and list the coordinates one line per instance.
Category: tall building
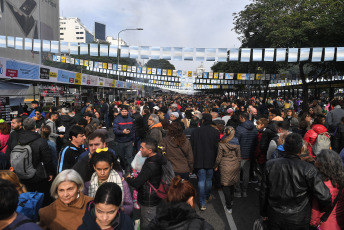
(114, 41)
(72, 30)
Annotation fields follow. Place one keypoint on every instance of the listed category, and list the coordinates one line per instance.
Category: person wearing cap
(124, 130)
(96, 140)
(204, 142)
(90, 119)
(175, 117)
(104, 110)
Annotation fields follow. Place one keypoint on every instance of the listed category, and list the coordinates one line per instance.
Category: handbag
(260, 224)
(325, 216)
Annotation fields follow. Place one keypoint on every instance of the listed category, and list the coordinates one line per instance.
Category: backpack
(21, 161)
(167, 176)
(29, 203)
(322, 142)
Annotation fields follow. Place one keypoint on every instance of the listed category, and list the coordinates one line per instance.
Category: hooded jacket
(138, 125)
(40, 152)
(268, 134)
(177, 216)
(53, 135)
(121, 221)
(247, 136)
(151, 171)
(228, 160)
(66, 121)
(68, 156)
(181, 157)
(155, 132)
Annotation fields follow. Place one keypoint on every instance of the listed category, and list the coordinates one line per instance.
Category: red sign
(88, 82)
(71, 80)
(11, 73)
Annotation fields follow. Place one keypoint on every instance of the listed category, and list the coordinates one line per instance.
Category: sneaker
(203, 208)
(228, 210)
(237, 195)
(244, 194)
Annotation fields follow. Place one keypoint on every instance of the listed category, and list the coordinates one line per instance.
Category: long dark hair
(108, 193)
(175, 131)
(330, 167)
(107, 157)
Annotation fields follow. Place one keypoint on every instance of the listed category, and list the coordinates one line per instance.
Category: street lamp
(118, 48)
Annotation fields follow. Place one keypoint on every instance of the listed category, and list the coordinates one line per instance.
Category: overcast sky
(166, 23)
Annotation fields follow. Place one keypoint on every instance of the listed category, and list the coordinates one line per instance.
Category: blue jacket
(119, 124)
(247, 135)
(278, 153)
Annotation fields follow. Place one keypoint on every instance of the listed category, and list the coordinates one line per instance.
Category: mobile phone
(28, 6)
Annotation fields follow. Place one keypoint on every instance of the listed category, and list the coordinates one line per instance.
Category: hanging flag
(83, 48)
(234, 54)
(269, 54)
(222, 55)
(317, 54)
(124, 51)
(19, 43)
(36, 45)
(304, 54)
(280, 54)
(149, 70)
(200, 54)
(144, 70)
(86, 63)
(54, 46)
(177, 53)
(169, 72)
(245, 55)
(73, 48)
(10, 42)
(164, 72)
(179, 73)
(113, 51)
(257, 55)
(144, 52)
(104, 50)
(3, 42)
(46, 46)
(211, 74)
(340, 54)
(63, 59)
(221, 75)
(216, 75)
(166, 53)
(293, 54)
(155, 53)
(139, 69)
(188, 54)
(210, 54)
(329, 54)
(27, 43)
(134, 52)
(64, 47)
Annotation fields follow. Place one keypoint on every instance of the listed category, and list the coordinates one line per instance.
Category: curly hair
(330, 167)
(175, 131)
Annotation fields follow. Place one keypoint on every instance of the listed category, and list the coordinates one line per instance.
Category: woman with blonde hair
(228, 161)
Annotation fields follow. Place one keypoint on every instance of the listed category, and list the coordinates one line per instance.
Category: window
(77, 32)
(77, 27)
(81, 32)
(61, 33)
(61, 38)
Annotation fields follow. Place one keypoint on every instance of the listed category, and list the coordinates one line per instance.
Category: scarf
(94, 183)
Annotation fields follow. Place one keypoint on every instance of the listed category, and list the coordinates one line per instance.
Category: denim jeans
(245, 171)
(204, 184)
(125, 149)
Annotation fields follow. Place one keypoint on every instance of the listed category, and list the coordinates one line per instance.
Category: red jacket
(336, 220)
(312, 134)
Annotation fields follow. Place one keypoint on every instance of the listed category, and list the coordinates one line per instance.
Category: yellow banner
(77, 80)
(86, 63)
(258, 76)
(104, 65)
(239, 76)
(169, 72)
(124, 68)
(63, 59)
(149, 70)
(53, 74)
(216, 75)
(189, 73)
(113, 83)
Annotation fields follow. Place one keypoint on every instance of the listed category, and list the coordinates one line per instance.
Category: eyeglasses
(38, 113)
(150, 119)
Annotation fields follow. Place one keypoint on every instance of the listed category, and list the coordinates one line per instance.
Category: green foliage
(161, 64)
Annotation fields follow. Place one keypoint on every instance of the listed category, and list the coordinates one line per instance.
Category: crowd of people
(96, 164)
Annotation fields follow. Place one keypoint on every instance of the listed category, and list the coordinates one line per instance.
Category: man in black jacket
(288, 187)
(17, 128)
(204, 142)
(151, 172)
(41, 154)
(139, 127)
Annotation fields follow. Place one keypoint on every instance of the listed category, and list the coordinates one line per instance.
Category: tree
(161, 64)
(294, 23)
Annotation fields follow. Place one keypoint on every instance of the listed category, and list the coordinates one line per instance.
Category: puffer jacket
(288, 186)
(151, 171)
(181, 157)
(119, 124)
(312, 134)
(247, 135)
(177, 216)
(268, 134)
(228, 160)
